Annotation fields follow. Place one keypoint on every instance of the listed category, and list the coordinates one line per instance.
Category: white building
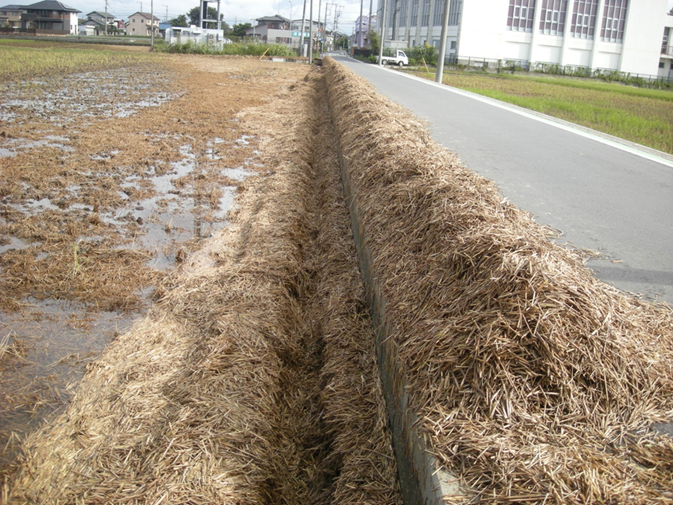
(623, 35)
(195, 35)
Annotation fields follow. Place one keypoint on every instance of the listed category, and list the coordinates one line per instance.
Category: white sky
(235, 11)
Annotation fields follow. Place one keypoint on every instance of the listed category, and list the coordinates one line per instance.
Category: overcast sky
(235, 11)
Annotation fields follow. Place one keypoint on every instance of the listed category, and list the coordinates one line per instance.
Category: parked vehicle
(400, 59)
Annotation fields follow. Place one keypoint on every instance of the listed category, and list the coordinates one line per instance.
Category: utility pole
(324, 26)
(383, 32)
(166, 16)
(442, 43)
(369, 24)
(106, 18)
(301, 39)
(319, 31)
(219, 22)
(310, 34)
(337, 15)
(152, 23)
(360, 29)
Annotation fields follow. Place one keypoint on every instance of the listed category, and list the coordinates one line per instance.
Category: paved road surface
(602, 195)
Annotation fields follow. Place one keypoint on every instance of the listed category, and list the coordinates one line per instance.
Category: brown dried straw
(535, 382)
(253, 379)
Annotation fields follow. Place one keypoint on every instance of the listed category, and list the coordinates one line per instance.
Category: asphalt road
(604, 195)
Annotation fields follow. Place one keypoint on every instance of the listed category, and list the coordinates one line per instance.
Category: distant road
(612, 197)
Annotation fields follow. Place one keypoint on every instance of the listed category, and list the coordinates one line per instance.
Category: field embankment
(535, 382)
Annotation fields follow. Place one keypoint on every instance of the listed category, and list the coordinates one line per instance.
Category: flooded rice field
(108, 180)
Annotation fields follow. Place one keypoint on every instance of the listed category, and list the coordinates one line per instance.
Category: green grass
(28, 59)
(240, 48)
(640, 115)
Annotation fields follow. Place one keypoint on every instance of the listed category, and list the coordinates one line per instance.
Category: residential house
(622, 35)
(10, 16)
(272, 29)
(95, 24)
(51, 16)
(361, 38)
(142, 24)
(296, 31)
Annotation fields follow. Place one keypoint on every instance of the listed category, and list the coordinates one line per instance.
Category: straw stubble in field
(108, 179)
(253, 379)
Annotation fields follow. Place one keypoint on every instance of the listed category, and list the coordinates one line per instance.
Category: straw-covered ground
(112, 170)
(253, 379)
(535, 382)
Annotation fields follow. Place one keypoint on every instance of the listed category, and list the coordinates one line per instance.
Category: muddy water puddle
(44, 351)
(81, 98)
(47, 343)
(97, 204)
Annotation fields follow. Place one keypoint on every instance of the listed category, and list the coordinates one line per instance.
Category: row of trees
(194, 15)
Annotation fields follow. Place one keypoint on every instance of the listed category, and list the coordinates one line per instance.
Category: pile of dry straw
(535, 381)
(253, 379)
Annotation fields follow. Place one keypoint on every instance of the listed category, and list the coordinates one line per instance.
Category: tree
(181, 20)
(239, 29)
(342, 42)
(373, 41)
(670, 13)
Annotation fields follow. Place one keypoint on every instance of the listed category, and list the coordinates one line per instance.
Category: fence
(512, 66)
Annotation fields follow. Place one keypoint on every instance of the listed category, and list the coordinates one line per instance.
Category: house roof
(12, 7)
(272, 19)
(101, 14)
(146, 15)
(50, 5)
(91, 22)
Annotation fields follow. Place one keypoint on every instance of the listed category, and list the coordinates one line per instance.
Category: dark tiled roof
(50, 5)
(272, 19)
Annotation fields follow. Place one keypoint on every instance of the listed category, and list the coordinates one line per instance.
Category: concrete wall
(482, 30)
(643, 35)
(483, 33)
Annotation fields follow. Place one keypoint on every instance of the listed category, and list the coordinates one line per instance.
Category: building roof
(146, 15)
(12, 7)
(50, 5)
(101, 14)
(91, 22)
(272, 19)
